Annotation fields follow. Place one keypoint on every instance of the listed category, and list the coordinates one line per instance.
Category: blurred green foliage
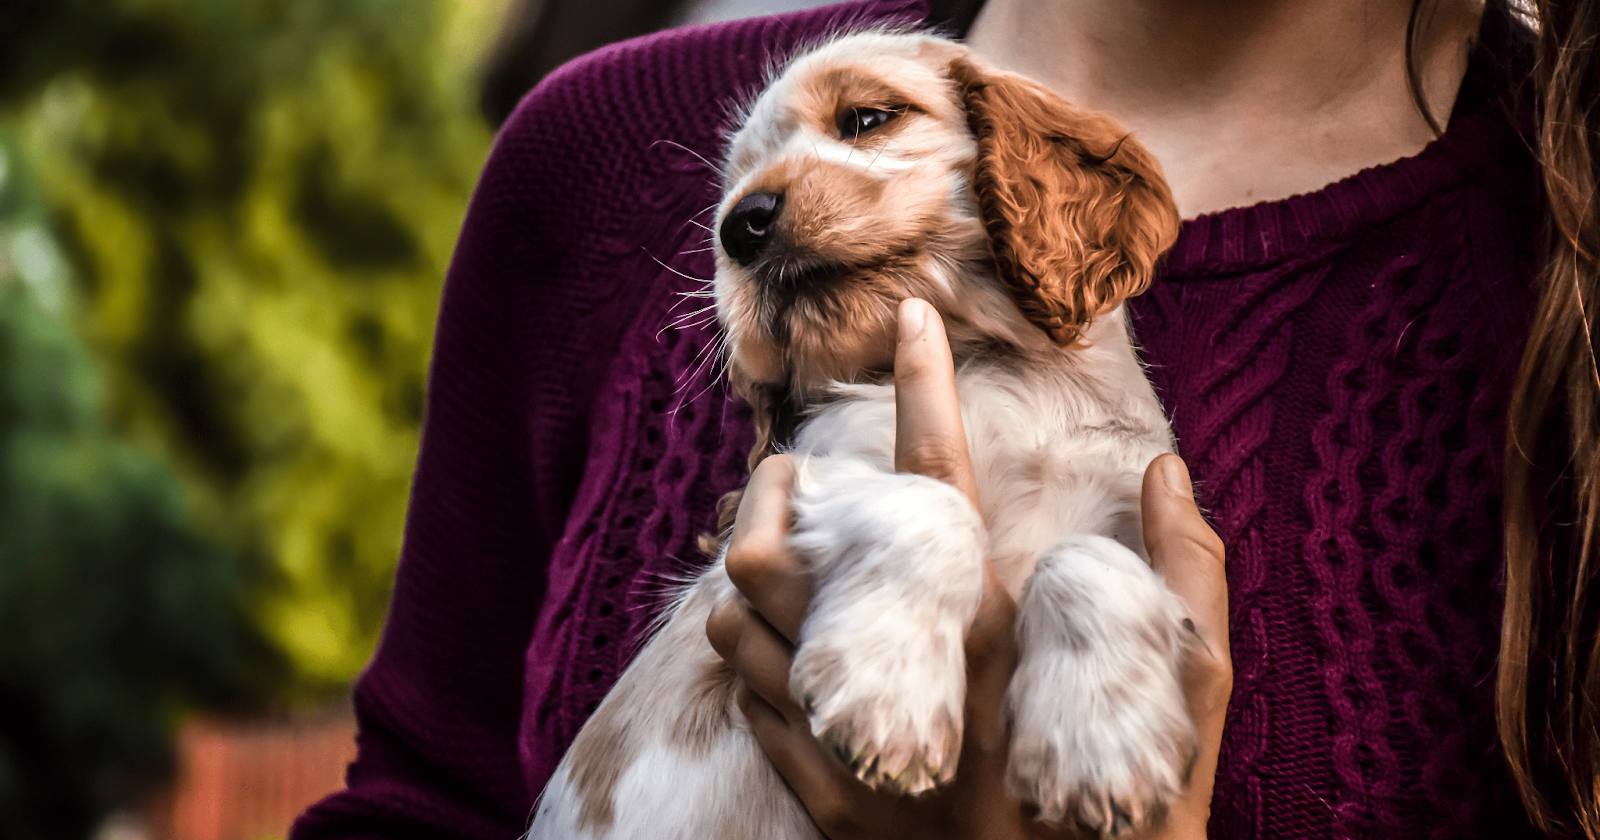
(115, 616)
(223, 229)
(258, 199)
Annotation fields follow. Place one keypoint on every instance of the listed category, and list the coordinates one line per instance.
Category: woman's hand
(756, 635)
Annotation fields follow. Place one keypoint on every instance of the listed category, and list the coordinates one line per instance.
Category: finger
(991, 648)
(1189, 555)
(817, 778)
(929, 438)
(982, 804)
(758, 560)
(1184, 549)
(756, 653)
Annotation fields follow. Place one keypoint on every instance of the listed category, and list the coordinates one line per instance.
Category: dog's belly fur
(1059, 461)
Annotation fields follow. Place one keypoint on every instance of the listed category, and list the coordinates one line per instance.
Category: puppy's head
(883, 166)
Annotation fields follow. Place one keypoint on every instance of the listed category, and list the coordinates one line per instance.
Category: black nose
(748, 226)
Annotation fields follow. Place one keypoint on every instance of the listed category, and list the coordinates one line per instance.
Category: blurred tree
(258, 199)
(115, 616)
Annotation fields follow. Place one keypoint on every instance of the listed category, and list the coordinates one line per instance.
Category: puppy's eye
(854, 122)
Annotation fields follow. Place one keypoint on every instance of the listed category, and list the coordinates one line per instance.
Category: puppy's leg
(880, 668)
(668, 756)
(1101, 737)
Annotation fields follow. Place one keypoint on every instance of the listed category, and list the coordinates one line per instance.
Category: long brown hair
(1550, 637)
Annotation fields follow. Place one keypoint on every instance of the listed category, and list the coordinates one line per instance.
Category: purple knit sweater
(1337, 367)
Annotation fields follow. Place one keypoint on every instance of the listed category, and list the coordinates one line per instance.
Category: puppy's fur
(882, 166)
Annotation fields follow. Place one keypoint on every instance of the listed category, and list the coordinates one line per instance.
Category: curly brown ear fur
(1077, 213)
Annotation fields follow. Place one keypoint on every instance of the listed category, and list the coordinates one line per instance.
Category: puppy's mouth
(789, 279)
(801, 287)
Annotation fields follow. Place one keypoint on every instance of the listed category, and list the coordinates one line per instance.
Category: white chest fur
(1059, 446)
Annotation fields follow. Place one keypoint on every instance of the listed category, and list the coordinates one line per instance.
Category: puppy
(876, 167)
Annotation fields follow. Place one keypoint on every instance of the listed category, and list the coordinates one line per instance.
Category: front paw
(887, 699)
(1101, 736)
(1114, 773)
(880, 666)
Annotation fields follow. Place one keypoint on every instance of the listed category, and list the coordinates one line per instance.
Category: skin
(1241, 101)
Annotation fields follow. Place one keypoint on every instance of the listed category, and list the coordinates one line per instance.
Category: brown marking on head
(1077, 212)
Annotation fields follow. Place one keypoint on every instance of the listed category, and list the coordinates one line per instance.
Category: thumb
(929, 439)
(1189, 556)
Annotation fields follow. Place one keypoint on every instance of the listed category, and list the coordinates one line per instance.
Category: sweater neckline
(1257, 236)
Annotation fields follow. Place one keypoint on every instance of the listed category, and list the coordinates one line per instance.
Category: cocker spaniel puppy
(876, 167)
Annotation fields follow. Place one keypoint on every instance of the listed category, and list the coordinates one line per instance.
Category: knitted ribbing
(1336, 366)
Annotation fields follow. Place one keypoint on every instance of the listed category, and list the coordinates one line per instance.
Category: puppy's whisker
(677, 320)
(698, 364)
(700, 280)
(875, 158)
(707, 320)
(711, 383)
(682, 321)
(701, 311)
(703, 360)
(696, 155)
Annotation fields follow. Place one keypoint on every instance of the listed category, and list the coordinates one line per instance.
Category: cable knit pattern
(1336, 365)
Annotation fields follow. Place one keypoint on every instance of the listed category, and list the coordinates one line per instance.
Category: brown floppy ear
(1077, 212)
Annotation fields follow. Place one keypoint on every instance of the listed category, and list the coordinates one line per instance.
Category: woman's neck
(1242, 101)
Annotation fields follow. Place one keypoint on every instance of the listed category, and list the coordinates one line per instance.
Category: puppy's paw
(1101, 736)
(880, 666)
(1109, 775)
(887, 700)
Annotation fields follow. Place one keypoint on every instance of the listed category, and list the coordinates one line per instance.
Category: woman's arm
(756, 636)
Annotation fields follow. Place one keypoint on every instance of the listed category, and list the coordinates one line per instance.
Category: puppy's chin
(821, 357)
(813, 357)
(844, 330)
(755, 362)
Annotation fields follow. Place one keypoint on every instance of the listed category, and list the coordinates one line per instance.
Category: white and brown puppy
(876, 167)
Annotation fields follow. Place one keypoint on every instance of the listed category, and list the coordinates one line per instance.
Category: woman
(1337, 335)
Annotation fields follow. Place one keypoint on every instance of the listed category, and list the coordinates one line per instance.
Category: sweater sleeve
(524, 333)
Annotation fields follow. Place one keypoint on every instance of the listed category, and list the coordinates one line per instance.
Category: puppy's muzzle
(750, 226)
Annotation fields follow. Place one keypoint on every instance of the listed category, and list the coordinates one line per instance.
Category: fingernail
(1176, 476)
(913, 317)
